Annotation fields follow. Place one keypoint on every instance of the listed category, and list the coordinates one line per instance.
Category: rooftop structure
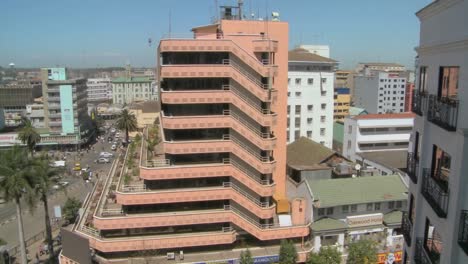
(126, 90)
(342, 102)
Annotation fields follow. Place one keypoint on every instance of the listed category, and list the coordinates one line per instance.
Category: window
(330, 211)
(440, 169)
(349, 144)
(323, 93)
(402, 86)
(323, 106)
(310, 107)
(353, 208)
(345, 208)
(350, 129)
(394, 86)
(399, 204)
(322, 119)
(288, 122)
(310, 81)
(309, 120)
(322, 131)
(289, 80)
(377, 206)
(381, 80)
(298, 94)
(370, 207)
(391, 205)
(321, 211)
(324, 80)
(297, 121)
(422, 79)
(297, 134)
(309, 133)
(298, 81)
(298, 109)
(289, 109)
(289, 94)
(322, 142)
(448, 82)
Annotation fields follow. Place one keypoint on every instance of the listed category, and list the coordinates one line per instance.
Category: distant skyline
(107, 33)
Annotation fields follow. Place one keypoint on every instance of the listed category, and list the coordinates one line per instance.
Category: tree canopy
(362, 252)
(326, 255)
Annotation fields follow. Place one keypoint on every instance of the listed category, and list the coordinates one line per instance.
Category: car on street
(58, 164)
(114, 147)
(112, 130)
(102, 160)
(77, 167)
(106, 155)
(61, 184)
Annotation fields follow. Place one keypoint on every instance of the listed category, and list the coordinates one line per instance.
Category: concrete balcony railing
(226, 236)
(228, 191)
(162, 170)
(443, 111)
(229, 119)
(224, 45)
(227, 144)
(229, 214)
(229, 96)
(227, 70)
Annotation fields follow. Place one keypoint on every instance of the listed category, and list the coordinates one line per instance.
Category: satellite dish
(357, 167)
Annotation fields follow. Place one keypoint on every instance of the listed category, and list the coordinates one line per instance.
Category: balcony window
(297, 109)
(448, 82)
(297, 122)
(406, 228)
(440, 166)
(435, 195)
(443, 111)
(432, 242)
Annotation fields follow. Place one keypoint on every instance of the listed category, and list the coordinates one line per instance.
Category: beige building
(145, 112)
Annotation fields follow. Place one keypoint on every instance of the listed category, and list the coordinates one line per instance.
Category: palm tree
(29, 136)
(44, 178)
(126, 121)
(16, 183)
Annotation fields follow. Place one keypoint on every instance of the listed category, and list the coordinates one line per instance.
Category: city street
(77, 188)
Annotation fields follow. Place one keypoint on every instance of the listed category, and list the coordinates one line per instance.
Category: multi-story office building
(362, 67)
(380, 92)
(219, 177)
(99, 90)
(310, 96)
(126, 90)
(345, 79)
(65, 107)
(436, 225)
(342, 102)
(376, 135)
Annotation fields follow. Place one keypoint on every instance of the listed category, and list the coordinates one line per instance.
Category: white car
(58, 164)
(60, 185)
(106, 155)
(102, 160)
(114, 147)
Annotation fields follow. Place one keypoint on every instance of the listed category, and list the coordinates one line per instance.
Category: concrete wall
(366, 93)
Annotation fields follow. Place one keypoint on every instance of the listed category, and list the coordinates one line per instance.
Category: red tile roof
(385, 116)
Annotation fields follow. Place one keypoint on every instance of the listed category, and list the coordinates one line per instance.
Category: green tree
(126, 121)
(287, 253)
(326, 255)
(362, 252)
(246, 257)
(70, 209)
(15, 184)
(44, 178)
(29, 136)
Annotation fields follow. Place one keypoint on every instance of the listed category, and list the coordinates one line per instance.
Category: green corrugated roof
(360, 190)
(306, 152)
(338, 132)
(393, 218)
(325, 224)
(354, 111)
(131, 80)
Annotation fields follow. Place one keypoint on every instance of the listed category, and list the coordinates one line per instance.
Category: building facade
(342, 102)
(436, 222)
(310, 97)
(218, 176)
(126, 90)
(99, 90)
(380, 92)
(345, 79)
(375, 133)
(362, 67)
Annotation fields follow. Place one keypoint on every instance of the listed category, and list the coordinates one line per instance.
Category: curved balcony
(164, 171)
(229, 96)
(230, 119)
(228, 214)
(227, 70)
(227, 144)
(162, 241)
(225, 45)
(228, 191)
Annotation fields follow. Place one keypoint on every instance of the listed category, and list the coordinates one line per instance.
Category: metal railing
(419, 102)
(245, 171)
(435, 194)
(412, 167)
(250, 127)
(246, 74)
(245, 194)
(112, 212)
(463, 231)
(248, 218)
(134, 188)
(443, 111)
(158, 163)
(406, 227)
(246, 99)
(243, 146)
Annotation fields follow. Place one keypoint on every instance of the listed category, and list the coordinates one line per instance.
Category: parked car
(58, 164)
(59, 185)
(112, 130)
(114, 147)
(106, 155)
(102, 160)
(77, 167)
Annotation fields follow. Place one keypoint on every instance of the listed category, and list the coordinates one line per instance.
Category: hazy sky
(90, 33)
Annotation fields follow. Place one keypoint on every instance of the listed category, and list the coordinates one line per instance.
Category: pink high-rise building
(217, 180)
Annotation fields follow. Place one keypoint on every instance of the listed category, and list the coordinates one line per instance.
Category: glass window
(330, 211)
(298, 94)
(377, 206)
(322, 131)
(399, 204)
(370, 207)
(353, 208)
(289, 94)
(297, 121)
(391, 205)
(322, 119)
(310, 107)
(298, 81)
(297, 134)
(297, 109)
(289, 109)
(448, 82)
(324, 93)
(324, 80)
(323, 106)
(345, 208)
(289, 80)
(309, 120)
(422, 79)
(321, 211)
(310, 81)
(309, 133)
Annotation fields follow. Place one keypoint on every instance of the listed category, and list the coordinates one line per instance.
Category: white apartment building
(310, 96)
(379, 66)
(436, 223)
(126, 90)
(380, 92)
(375, 135)
(99, 89)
